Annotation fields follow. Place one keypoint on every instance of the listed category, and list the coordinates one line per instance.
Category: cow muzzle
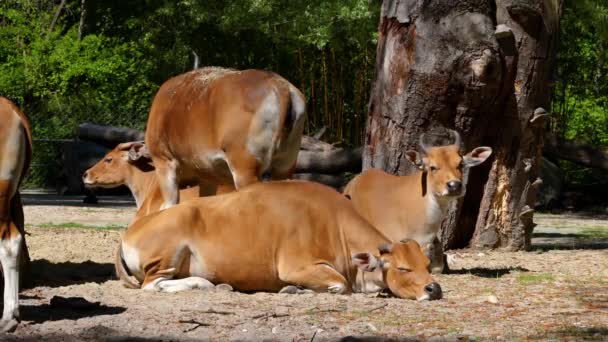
(454, 188)
(433, 291)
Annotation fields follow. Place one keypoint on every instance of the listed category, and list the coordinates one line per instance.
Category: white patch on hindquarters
(263, 129)
(9, 258)
(130, 255)
(13, 155)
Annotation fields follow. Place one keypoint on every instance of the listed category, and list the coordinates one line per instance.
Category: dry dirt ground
(558, 291)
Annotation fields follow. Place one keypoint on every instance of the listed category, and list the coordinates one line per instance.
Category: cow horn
(423, 145)
(457, 139)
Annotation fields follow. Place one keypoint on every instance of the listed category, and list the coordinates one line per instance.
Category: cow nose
(434, 291)
(84, 175)
(454, 186)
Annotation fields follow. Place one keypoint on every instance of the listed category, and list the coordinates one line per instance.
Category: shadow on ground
(37, 314)
(566, 241)
(574, 334)
(77, 201)
(488, 272)
(96, 333)
(46, 273)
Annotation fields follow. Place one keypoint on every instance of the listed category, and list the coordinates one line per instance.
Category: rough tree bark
(506, 210)
(449, 64)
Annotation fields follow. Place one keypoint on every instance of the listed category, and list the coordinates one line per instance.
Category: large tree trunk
(506, 210)
(447, 64)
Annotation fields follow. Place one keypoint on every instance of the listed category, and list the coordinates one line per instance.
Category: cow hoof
(8, 325)
(224, 287)
(289, 289)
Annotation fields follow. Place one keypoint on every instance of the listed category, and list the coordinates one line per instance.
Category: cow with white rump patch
(224, 126)
(15, 156)
(275, 236)
(413, 206)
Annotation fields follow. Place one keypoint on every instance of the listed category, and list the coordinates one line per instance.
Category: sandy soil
(558, 291)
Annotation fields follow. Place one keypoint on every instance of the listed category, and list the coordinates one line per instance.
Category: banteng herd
(214, 205)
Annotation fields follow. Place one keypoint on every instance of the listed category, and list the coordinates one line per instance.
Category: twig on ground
(313, 336)
(191, 321)
(211, 311)
(316, 309)
(267, 315)
(377, 307)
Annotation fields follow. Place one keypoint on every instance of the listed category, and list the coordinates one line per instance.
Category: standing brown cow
(224, 126)
(15, 156)
(413, 206)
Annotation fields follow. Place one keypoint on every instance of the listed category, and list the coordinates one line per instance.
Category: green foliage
(581, 94)
(105, 66)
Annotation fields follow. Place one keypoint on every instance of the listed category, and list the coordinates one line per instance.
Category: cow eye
(107, 160)
(403, 269)
(434, 168)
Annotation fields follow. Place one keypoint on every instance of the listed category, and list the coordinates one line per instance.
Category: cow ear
(138, 151)
(477, 156)
(415, 158)
(385, 248)
(366, 262)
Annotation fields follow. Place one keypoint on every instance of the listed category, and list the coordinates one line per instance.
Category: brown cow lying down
(226, 126)
(268, 237)
(127, 164)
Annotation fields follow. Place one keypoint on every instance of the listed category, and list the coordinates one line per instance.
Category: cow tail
(122, 270)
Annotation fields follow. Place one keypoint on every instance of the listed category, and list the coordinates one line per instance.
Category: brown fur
(115, 169)
(267, 236)
(213, 111)
(399, 205)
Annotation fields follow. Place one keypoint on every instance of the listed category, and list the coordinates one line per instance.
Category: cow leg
(243, 168)
(319, 277)
(434, 251)
(166, 173)
(283, 174)
(176, 285)
(10, 251)
(18, 220)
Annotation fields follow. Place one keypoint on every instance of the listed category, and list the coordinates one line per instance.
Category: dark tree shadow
(569, 245)
(377, 339)
(37, 314)
(96, 333)
(574, 334)
(77, 201)
(488, 272)
(46, 273)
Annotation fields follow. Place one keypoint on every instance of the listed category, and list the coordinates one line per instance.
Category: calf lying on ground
(15, 156)
(127, 164)
(413, 206)
(267, 237)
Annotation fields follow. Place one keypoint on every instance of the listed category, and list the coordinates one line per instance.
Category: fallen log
(329, 162)
(334, 181)
(582, 154)
(108, 136)
(315, 156)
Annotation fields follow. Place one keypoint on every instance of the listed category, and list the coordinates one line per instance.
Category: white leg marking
(176, 285)
(170, 187)
(337, 288)
(9, 257)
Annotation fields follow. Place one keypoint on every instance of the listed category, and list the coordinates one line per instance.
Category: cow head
(445, 167)
(405, 270)
(116, 166)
